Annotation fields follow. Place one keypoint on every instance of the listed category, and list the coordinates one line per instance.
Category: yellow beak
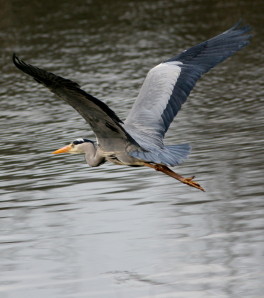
(63, 149)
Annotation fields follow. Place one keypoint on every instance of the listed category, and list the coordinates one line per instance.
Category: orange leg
(169, 172)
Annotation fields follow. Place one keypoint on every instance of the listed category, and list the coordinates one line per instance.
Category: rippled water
(67, 230)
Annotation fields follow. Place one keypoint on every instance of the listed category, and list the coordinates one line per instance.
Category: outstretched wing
(103, 121)
(168, 85)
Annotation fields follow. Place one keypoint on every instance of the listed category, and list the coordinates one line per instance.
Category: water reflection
(67, 230)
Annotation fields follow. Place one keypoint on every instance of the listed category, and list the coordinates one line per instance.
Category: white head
(78, 146)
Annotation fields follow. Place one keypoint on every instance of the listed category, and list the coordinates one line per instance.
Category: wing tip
(241, 29)
(240, 25)
(42, 76)
(18, 63)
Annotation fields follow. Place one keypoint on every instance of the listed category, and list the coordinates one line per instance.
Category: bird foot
(191, 182)
(190, 178)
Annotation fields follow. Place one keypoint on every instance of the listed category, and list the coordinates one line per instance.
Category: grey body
(139, 139)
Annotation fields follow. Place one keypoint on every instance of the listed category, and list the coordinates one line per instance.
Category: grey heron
(138, 141)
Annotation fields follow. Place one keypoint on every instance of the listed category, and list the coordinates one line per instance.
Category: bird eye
(78, 141)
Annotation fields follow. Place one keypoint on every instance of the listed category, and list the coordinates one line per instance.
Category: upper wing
(104, 122)
(168, 85)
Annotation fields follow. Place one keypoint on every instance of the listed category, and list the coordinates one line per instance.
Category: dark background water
(67, 230)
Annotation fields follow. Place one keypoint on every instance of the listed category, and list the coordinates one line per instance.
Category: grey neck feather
(92, 155)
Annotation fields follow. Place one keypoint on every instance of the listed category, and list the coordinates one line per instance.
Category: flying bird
(138, 141)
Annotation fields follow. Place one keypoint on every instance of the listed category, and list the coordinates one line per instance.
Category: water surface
(67, 230)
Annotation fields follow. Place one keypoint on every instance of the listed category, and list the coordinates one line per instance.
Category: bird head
(76, 147)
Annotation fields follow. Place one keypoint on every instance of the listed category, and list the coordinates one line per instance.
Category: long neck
(93, 156)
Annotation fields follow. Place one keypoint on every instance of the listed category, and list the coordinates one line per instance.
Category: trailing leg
(169, 172)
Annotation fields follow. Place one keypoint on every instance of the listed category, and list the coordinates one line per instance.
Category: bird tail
(171, 155)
